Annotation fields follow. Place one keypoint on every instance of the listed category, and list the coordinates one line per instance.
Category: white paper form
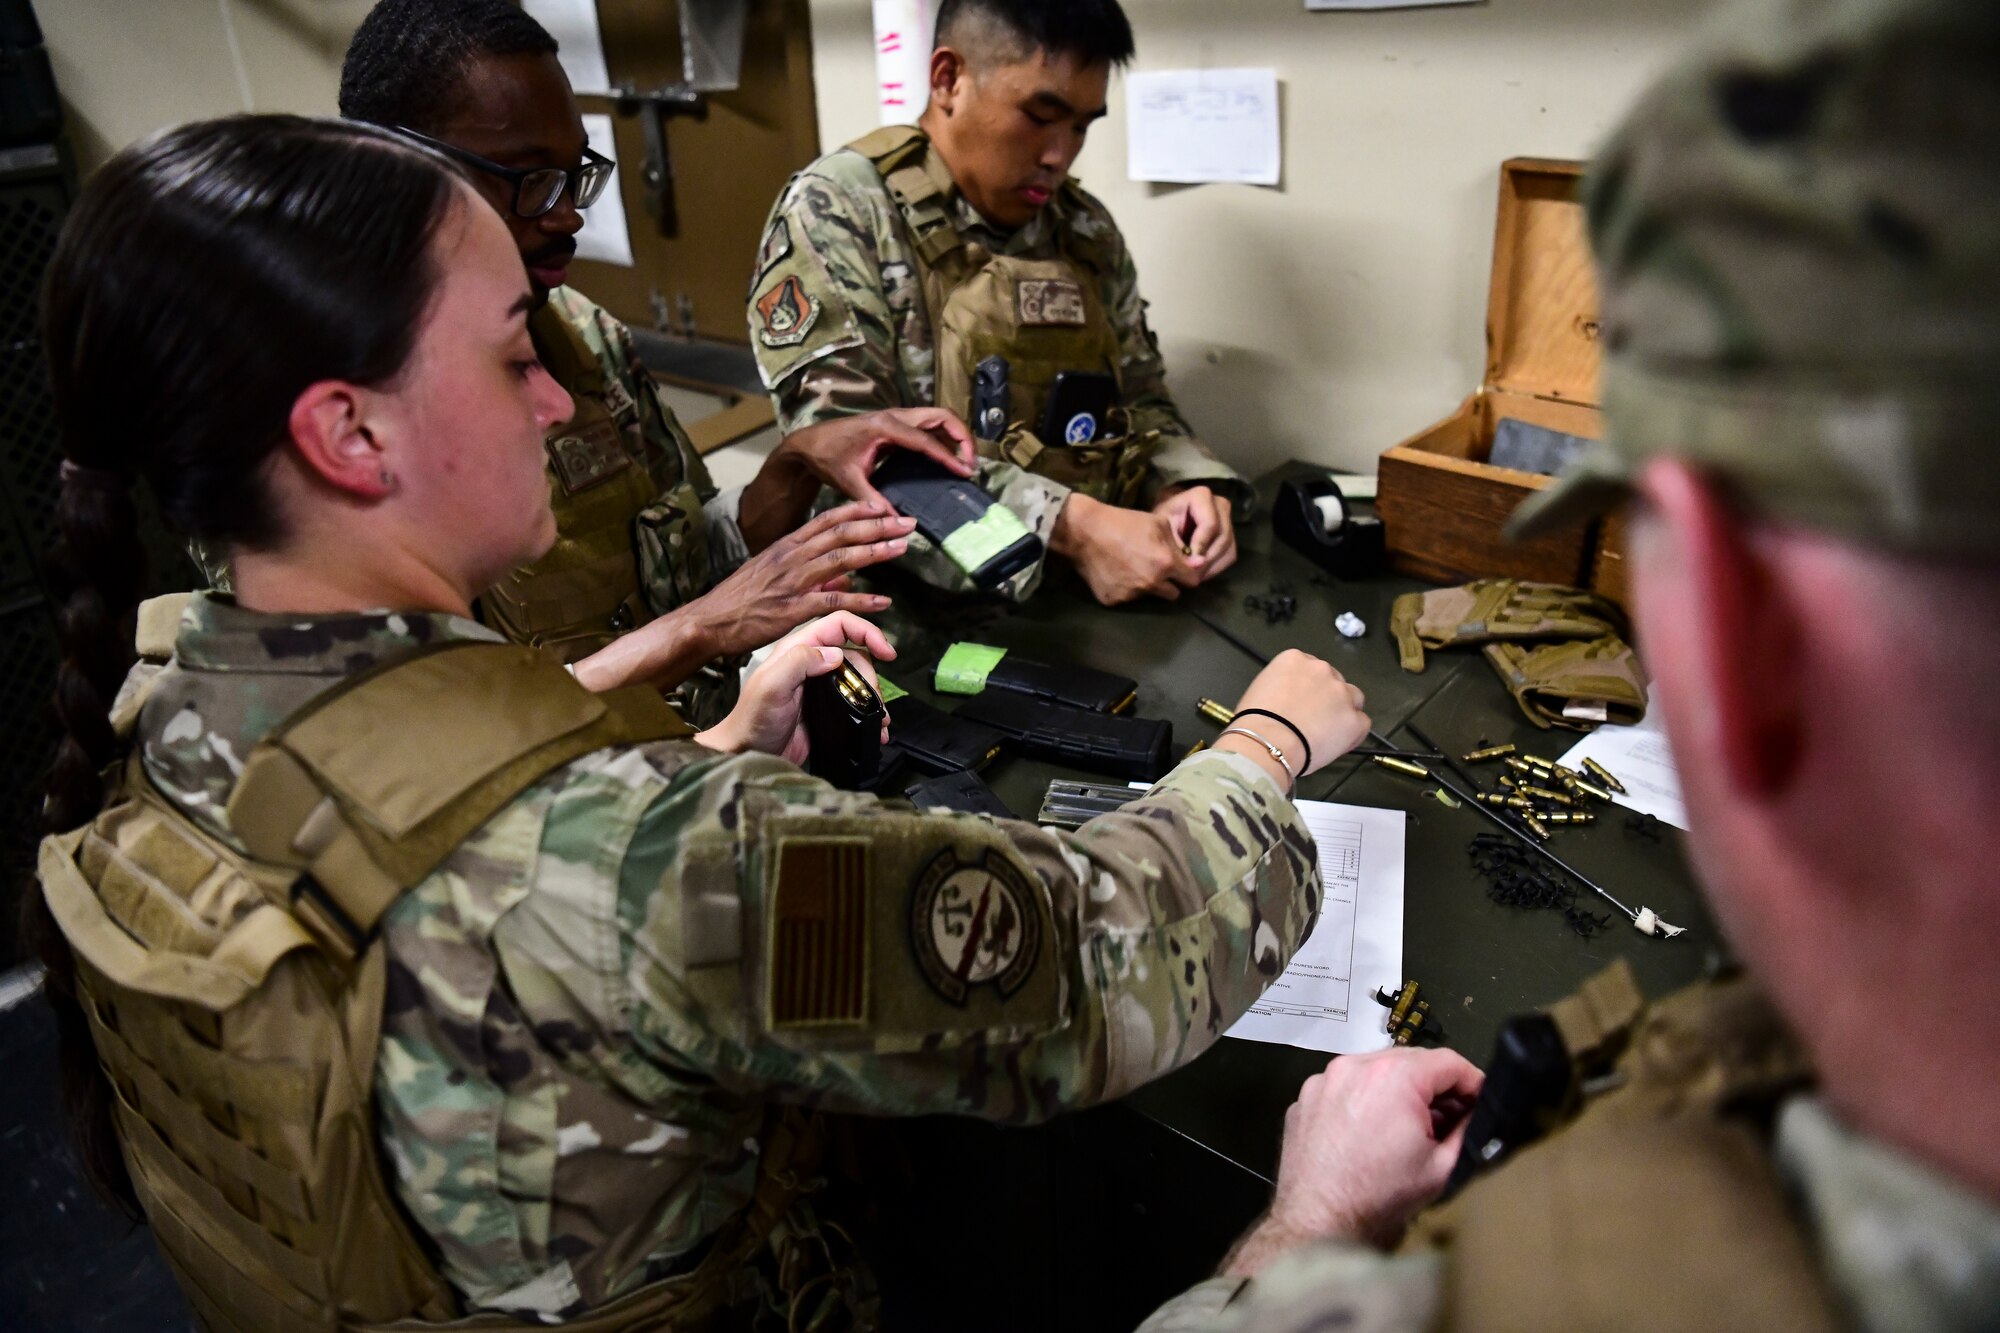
(1190, 127)
(1325, 1000)
(604, 236)
(1638, 757)
(573, 23)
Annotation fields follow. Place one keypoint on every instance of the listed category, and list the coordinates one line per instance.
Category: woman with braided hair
(401, 976)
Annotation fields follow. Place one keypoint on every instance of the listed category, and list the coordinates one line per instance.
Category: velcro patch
(819, 933)
(1046, 301)
(777, 244)
(618, 399)
(974, 923)
(787, 313)
(589, 452)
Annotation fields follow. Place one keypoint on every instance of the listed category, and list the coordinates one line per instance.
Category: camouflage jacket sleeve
(1324, 1286)
(855, 353)
(792, 941)
(1181, 458)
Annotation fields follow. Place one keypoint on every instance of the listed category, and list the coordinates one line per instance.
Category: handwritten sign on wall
(902, 59)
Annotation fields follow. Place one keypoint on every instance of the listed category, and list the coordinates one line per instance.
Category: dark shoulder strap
(374, 784)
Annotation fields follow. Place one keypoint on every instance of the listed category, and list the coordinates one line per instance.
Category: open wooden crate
(1442, 504)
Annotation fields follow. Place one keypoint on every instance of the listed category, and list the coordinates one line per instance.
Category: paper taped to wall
(1325, 1000)
(573, 23)
(604, 236)
(1192, 127)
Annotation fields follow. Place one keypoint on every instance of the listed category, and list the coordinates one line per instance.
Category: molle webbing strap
(1403, 615)
(1600, 1013)
(919, 183)
(370, 788)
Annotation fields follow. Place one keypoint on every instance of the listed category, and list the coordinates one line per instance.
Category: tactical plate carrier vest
(585, 592)
(1044, 316)
(236, 1001)
(1656, 1206)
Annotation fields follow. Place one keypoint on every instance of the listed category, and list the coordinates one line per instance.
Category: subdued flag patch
(819, 933)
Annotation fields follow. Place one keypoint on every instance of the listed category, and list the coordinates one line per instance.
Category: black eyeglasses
(538, 190)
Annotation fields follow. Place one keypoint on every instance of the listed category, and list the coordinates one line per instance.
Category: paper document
(1325, 1000)
(1188, 127)
(573, 23)
(604, 237)
(1638, 757)
(903, 59)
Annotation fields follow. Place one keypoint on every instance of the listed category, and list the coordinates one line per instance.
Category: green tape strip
(890, 690)
(985, 537)
(964, 667)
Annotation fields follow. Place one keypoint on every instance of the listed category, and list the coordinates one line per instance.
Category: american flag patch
(819, 933)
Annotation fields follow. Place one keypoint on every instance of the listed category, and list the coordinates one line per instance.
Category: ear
(330, 432)
(1733, 629)
(947, 68)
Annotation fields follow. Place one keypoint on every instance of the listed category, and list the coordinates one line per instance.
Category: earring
(388, 480)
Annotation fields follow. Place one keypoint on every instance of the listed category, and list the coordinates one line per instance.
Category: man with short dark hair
(893, 270)
(642, 530)
(1798, 239)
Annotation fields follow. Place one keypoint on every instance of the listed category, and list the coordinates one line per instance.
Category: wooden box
(1442, 504)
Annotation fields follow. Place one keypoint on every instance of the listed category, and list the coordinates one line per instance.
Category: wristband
(1276, 753)
(1286, 723)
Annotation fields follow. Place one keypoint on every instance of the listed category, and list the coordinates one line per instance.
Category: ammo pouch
(236, 1000)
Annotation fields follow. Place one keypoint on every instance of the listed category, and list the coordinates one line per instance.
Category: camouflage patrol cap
(1798, 240)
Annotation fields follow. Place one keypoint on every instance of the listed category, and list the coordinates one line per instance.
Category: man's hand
(1121, 553)
(1201, 520)
(800, 576)
(843, 453)
(1368, 1143)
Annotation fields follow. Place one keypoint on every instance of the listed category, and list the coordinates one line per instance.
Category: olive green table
(1218, 1119)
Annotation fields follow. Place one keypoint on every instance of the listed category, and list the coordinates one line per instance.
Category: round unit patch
(974, 924)
(1082, 429)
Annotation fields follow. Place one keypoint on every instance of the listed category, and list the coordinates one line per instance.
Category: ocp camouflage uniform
(1797, 236)
(594, 999)
(855, 333)
(1693, 1192)
(641, 530)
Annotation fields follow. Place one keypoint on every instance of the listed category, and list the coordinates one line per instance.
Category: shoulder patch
(819, 934)
(786, 313)
(1049, 301)
(777, 244)
(974, 923)
(618, 398)
(588, 452)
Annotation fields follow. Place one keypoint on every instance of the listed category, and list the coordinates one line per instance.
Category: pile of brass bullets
(1543, 794)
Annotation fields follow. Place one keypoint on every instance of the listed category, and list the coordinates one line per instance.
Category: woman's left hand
(767, 717)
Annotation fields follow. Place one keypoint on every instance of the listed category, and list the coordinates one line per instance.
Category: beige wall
(1330, 317)
(128, 67)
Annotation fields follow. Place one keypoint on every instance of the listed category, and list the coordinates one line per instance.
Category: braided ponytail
(207, 276)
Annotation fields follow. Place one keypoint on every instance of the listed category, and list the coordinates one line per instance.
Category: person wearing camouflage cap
(643, 532)
(404, 978)
(894, 267)
(1798, 234)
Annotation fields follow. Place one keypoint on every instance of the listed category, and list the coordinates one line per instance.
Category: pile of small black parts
(1517, 880)
(1278, 603)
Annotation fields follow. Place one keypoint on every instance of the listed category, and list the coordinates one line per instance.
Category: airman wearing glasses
(645, 539)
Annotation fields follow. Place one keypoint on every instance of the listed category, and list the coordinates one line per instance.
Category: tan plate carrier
(236, 1001)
